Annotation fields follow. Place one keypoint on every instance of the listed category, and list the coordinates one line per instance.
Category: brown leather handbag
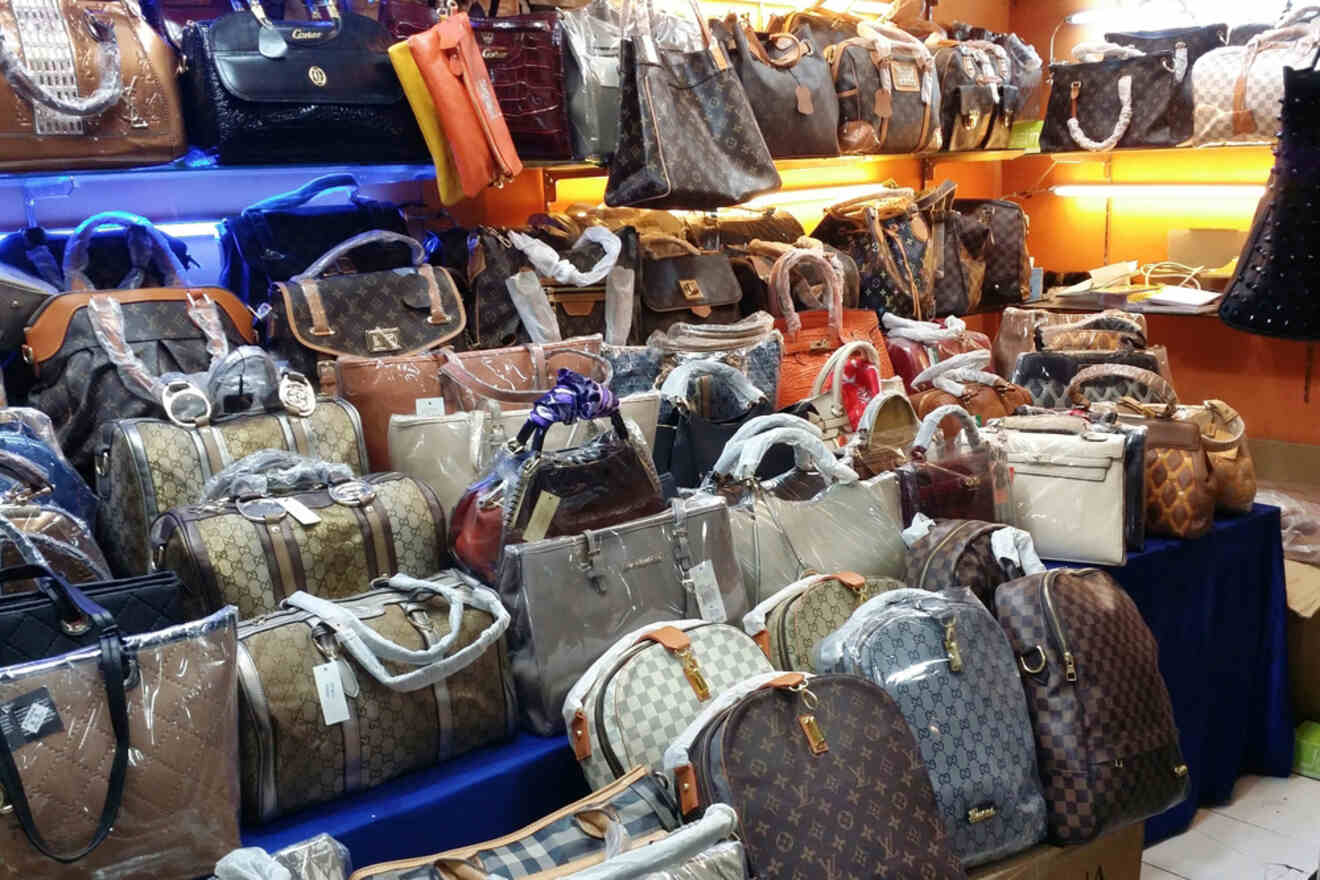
(680, 283)
(1105, 734)
(1020, 331)
(85, 85)
(1180, 488)
(1224, 435)
(984, 395)
(524, 55)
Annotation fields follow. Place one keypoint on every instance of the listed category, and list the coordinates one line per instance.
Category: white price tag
(299, 511)
(542, 515)
(710, 601)
(330, 688)
(430, 406)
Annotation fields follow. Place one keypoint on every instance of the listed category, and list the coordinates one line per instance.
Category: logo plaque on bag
(297, 394)
(383, 339)
(317, 76)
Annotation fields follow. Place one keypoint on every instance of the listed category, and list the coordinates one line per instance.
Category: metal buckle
(267, 511)
(296, 394)
(179, 390)
(77, 627)
(1022, 661)
(353, 493)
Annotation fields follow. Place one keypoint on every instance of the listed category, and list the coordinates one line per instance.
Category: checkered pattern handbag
(1105, 734)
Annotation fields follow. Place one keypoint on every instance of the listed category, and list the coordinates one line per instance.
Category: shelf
(1225, 151)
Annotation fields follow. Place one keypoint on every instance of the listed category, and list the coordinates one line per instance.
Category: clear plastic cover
(533, 305)
(1300, 508)
(701, 850)
(178, 808)
(593, 38)
(53, 537)
(273, 472)
(318, 858)
(37, 422)
(945, 478)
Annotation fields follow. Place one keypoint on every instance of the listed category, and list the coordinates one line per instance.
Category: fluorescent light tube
(1170, 191)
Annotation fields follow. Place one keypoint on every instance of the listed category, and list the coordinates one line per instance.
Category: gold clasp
(951, 646)
(692, 671)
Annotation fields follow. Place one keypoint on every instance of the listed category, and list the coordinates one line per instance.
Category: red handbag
(914, 346)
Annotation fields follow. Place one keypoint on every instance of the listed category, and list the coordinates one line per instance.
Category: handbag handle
(77, 249)
(574, 397)
(931, 423)
(1094, 322)
(33, 477)
(781, 289)
(1120, 126)
(1153, 381)
(654, 238)
(815, 450)
(717, 823)
(107, 92)
(431, 665)
(308, 191)
(833, 369)
(952, 382)
(372, 236)
(676, 384)
(452, 368)
(967, 360)
(113, 663)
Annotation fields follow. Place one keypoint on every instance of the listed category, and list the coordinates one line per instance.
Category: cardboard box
(1304, 639)
(1115, 856)
(1306, 753)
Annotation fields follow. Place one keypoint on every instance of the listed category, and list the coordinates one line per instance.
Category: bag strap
(454, 369)
(931, 423)
(308, 191)
(1120, 126)
(781, 289)
(815, 450)
(1153, 381)
(833, 369)
(382, 236)
(967, 360)
(719, 822)
(1221, 414)
(676, 384)
(77, 249)
(431, 665)
(108, 90)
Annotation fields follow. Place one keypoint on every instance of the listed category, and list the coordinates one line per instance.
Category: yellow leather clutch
(419, 98)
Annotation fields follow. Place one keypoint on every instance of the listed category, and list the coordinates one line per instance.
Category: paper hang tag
(430, 406)
(710, 602)
(804, 105)
(299, 511)
(330, 690)
(542, 515)
(884, 105)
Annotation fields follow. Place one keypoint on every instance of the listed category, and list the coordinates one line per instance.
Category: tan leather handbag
(1224, 435)
(85, 85)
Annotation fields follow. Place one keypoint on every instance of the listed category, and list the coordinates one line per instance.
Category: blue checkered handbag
(573, 838)
(948, 665)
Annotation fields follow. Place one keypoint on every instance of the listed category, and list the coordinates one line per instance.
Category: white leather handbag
(1068, 486)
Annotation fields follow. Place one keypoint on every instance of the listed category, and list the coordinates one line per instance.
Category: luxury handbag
(1007, 263)
(676, 564)
(680, 283)
(707, 849)
(49, 536)
(1020, 331)
(959, 250)
(1066, 473)
(753, 265)
(86, 85)
(1189, 45)
(687, 135)
(692, 436)
(1239, 89)
(788, 86)
(970, 481)
(447, 185)
(780, 537)
(164, 698)
(916, 346)
(1224, 436)
(1105, 734)
(450, 452)
(983, 395)
(258, 91)
(945, 661)
(824, 27)
(572, 838)
(970, 85)
(885, 432)
(33, 470)
(524, 55)
(254, 552)
(888, 238)
(389, 312)
(811, 338)
(96, 355)
(844, 387)
(831, 746)
(279, 237)
(465, 100)
(717, 230)
(529, 494)
(790, 623)
(888, 95)
(591, 77)
(642, 692)
(979, 556)
(145, 467)
(1047, 374)
(446, 691)
(1126, 99)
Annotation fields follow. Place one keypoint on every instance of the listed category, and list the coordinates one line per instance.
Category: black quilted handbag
(1116, 102)
(261, 92)
(1187, 44)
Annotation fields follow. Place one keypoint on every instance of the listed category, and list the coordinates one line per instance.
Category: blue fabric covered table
(1216, 605)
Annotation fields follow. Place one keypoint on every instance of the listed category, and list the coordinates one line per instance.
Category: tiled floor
(1270, 831)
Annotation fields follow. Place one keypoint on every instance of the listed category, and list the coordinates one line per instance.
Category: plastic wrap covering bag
(628, 706)
(780, 535)
(947, 664)
(25, 419)
(33, 470)
(959, 552)
(1018, 332)
(51, 537)
(591, 77)
(450, 452)
(707, 849)
(1300, 508)
(1047, 374)
(102, 763)
(273, 472)
(575, 596)
(691, 439)
(317, 858)
(964, 477)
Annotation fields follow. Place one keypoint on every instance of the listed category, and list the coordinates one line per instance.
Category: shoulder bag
(1224, 435)
(642, 692)
(1189, 45)
(1123, 100)
(687, 135)
(968, 553)
(693, 434)
(329, 541)
(829, 746)
(958, 251)
(1020, 331)
(946, 663)
(524, 55)
(259, 91)
(573, 597)
(957, 482)
(164, 697)
(388, 312)
(85, 85)
(1105, 733)
(445, 691)
(788, 86)
(1007, 263)
(680, 283)
(789, 624)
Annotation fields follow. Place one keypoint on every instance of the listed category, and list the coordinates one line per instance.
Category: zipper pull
(1069, 667)
(951, 646)
(693, 674)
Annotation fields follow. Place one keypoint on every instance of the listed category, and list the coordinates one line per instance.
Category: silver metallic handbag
(572, 597)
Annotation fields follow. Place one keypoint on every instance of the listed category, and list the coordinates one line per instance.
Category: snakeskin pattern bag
(1105, 734)
(454, 695)
(945, 661)
(633, 701)
(788, 624)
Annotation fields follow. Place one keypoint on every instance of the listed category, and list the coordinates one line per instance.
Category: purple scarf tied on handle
(574, 397)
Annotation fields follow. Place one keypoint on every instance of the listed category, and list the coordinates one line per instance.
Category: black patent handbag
(258, 91)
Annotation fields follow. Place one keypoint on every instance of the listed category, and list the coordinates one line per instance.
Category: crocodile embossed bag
(1105, 734)
(524, 55)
